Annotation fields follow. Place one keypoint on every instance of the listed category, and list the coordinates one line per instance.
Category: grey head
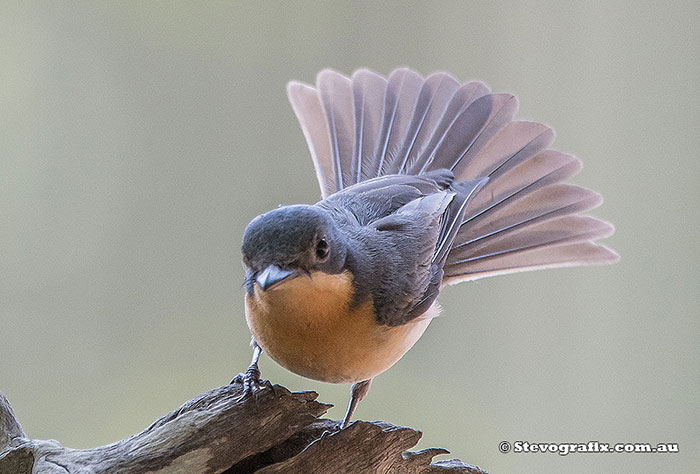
(291, 241)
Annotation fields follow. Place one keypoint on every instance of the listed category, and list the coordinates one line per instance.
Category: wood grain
(226, 430)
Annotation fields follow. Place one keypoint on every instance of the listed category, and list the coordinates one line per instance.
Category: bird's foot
(251, 380)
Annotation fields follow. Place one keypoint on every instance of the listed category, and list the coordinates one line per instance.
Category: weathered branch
(223, 430)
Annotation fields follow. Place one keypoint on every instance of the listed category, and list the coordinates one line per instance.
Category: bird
(424, 182)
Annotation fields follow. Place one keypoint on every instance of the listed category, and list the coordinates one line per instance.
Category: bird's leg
(251, 379)
(357, 393)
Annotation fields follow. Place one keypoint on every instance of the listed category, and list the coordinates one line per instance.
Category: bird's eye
(322, 249)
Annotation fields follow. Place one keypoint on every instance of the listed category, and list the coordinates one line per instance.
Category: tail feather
(523, 217)
(307, 107)
(547, 168)
(474, 126)
(543, 204)
(369, 92)
(513, 144)
(434, 97)
(547, 232)
(336, 95)
(432, 133)
(536, 257)
(401, 97)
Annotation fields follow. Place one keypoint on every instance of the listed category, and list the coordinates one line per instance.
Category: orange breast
(306, 325)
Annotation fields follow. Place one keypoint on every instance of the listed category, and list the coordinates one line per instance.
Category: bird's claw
(251, 381)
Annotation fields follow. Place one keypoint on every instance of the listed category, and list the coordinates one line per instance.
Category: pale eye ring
(322, 249)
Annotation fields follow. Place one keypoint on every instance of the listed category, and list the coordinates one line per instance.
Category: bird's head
(288, 242)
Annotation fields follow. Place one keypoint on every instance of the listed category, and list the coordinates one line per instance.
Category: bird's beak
(272, 275)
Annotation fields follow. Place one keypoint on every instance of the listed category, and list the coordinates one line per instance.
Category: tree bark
(226, 430)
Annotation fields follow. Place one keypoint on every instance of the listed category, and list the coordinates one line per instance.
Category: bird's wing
(403, 227)
(366, 128)
(403, 245)
(379, 197)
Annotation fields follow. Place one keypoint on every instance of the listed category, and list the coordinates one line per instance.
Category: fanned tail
(523, 217)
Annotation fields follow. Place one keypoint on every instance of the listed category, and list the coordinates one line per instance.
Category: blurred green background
(137, 139)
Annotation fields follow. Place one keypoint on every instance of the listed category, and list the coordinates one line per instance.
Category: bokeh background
(137, 139)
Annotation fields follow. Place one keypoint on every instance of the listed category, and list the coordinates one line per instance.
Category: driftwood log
(225, 430)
